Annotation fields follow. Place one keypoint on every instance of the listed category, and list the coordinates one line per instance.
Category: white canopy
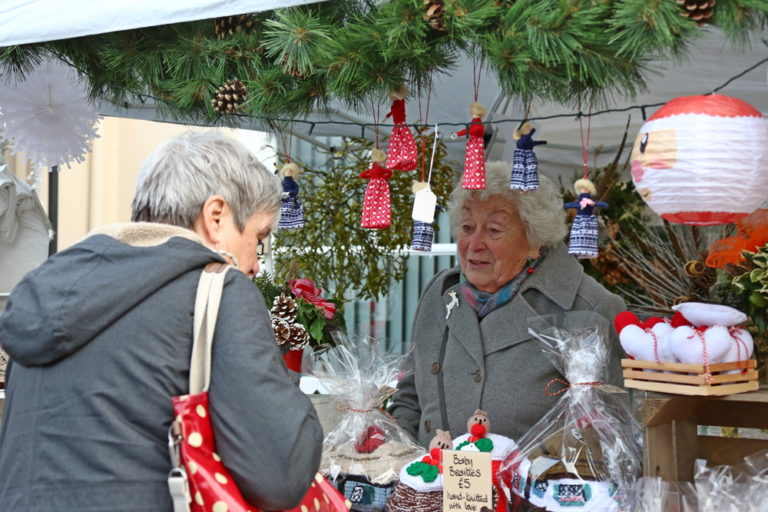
(35, 21)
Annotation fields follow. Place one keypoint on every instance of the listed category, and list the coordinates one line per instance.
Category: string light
(516, 121)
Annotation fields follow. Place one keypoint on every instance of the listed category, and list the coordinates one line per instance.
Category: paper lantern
(702, 160)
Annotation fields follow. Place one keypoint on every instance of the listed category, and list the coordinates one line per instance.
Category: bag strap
(207, 301)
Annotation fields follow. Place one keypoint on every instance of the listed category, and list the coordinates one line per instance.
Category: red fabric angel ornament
(401, 149)
(474, 160)
(376, 202)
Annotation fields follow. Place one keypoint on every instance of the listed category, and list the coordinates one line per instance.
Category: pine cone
(299, 337)
(230, 97)
(284, 307)
(434, 13)
(699, 11)
(702, 278)
(282, 330)
(229, 25)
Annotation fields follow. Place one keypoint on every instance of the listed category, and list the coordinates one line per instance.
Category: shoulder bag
(198, 480)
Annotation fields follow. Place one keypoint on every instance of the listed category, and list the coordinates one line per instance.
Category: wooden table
(672, 442)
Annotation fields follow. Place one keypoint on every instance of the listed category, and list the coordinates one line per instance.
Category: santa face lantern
(702, 160)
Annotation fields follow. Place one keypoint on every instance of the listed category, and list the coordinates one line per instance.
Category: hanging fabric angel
(291, 209)
(401, 149)
(474, 160)
(423, 215)
(424, 206)
(584, 231)
(376, 202)
(525, 166)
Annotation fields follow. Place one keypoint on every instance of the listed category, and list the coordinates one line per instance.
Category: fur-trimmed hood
(75, 294)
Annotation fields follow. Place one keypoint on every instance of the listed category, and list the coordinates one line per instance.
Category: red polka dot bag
(198, 481)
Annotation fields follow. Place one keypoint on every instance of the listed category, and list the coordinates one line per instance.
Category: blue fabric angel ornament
(525, 166)
(584, 231)
(291, 209)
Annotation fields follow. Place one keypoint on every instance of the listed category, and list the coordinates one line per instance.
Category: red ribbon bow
(305, 289)
(377, 171)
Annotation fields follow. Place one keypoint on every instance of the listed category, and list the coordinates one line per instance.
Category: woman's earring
(228, 255)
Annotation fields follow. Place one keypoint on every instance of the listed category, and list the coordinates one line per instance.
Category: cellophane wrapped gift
(364, 452)
(743, 488)
(652, 494)
(587, 446)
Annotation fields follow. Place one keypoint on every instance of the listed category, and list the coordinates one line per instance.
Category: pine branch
(649, 28)
(296, 39)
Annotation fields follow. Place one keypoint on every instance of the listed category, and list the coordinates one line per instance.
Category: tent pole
(53, 207)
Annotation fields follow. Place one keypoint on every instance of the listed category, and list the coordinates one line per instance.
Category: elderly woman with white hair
(472, 349)
(100, 337)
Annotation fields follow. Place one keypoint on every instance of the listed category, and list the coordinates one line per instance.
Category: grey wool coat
(100, 338)
(493, 364)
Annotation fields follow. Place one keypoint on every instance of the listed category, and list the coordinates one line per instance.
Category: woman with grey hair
(101, 335)
(472, 349)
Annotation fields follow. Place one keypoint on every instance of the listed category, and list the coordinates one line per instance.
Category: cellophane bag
(743, 488)
(652, 494)
(587, 446)
(366, 449)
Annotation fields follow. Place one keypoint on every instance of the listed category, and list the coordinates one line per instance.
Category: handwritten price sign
(467, 481)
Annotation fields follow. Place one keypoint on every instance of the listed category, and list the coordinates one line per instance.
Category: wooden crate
(673, 440)
(690, 379)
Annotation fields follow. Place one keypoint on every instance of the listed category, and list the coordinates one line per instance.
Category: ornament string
(655, 345)
(567, 385)
(285, 146)
(434, 150)
(585, 143)
(476, 72)
(705, 356)
(424, 120)
(376, 112)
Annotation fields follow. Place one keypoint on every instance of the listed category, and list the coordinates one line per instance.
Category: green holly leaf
(316, 327)
(428, 472)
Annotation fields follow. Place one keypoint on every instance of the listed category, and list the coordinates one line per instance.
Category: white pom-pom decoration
(47, 115)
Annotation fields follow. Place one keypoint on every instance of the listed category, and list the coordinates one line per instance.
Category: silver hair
(540, 210)
(183, 172)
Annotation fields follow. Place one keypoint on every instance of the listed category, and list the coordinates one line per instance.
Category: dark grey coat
(493, 364)
(100, 337)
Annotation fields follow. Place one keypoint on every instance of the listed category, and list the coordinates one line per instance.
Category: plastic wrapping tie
(354, 410)
(567, 385)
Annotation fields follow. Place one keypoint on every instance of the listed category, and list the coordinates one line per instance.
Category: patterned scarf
(483, 302)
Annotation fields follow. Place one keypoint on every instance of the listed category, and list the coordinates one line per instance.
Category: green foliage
(295, 38)
(332, 247)
(753, 286)
(296, 59)
(319, 328)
